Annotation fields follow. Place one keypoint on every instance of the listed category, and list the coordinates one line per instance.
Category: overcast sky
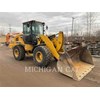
(56, 21)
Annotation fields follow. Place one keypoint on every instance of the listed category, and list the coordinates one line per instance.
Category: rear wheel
(41, 56)
(19, 52)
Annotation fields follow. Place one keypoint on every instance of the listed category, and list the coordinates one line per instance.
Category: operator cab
(31, 30)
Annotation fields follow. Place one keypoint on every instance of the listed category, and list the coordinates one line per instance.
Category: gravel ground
(12, 74)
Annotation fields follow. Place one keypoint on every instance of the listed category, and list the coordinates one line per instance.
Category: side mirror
(46, 27)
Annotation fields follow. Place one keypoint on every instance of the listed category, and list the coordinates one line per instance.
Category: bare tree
(91, 17)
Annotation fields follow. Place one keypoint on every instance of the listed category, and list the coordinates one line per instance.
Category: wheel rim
(16, 52)
(39, 56)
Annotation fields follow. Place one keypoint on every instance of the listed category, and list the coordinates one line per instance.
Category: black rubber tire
(21, 51)
(46, 56)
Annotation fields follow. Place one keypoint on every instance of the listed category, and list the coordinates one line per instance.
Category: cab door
(27, 33)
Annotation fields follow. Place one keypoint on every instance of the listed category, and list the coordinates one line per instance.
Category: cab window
(27, 28)
(37, 28)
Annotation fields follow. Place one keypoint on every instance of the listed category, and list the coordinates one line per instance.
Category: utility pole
(10, 28)
(72, 25)
(67, 35)
(87, 23)
(90, 24)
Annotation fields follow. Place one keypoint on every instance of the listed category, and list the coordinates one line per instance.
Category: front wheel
(41, 56)
(19, 53)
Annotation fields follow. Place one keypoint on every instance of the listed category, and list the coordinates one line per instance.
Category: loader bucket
(75, 63)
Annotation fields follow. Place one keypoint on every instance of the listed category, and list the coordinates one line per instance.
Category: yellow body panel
(28, 47)
(17, 40)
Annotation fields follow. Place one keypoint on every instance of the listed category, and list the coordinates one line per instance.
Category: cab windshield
(37, 28)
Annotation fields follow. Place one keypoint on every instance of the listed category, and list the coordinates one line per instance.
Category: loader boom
(56, 45)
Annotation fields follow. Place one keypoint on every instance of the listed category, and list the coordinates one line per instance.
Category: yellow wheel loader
(75, 63)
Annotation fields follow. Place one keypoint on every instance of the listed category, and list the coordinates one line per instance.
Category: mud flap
(75, 63)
